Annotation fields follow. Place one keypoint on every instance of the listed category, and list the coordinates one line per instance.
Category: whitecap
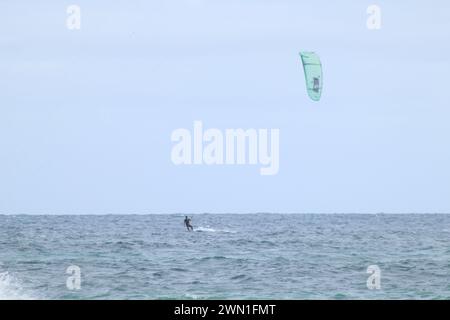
(208, 229)
(11, 288)
(204, 229)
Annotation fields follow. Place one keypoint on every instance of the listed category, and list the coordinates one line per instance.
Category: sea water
(228, 256)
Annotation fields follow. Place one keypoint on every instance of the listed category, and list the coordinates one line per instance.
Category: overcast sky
(86, 116)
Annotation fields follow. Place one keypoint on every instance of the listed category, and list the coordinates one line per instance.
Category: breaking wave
(11, 288)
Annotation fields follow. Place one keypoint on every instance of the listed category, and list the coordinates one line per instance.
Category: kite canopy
(313, 74)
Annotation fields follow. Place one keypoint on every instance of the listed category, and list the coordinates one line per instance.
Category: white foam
(11, 289)
(204, 229)
(208, 229)
(191, 296)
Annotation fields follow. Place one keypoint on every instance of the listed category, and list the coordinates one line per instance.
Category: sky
(86, 115)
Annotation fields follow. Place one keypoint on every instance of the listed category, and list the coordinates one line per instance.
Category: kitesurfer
(187, 223)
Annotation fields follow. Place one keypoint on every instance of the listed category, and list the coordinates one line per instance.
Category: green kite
(313, 74)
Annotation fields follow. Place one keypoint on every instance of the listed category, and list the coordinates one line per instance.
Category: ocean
(228, 256)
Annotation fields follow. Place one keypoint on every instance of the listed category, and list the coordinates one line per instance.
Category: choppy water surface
(275, 256)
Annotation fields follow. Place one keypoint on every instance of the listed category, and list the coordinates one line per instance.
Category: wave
(11, 288)
(208, 229)
(204, 229)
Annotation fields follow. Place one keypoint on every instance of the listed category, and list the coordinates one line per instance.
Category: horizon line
(223, 213)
